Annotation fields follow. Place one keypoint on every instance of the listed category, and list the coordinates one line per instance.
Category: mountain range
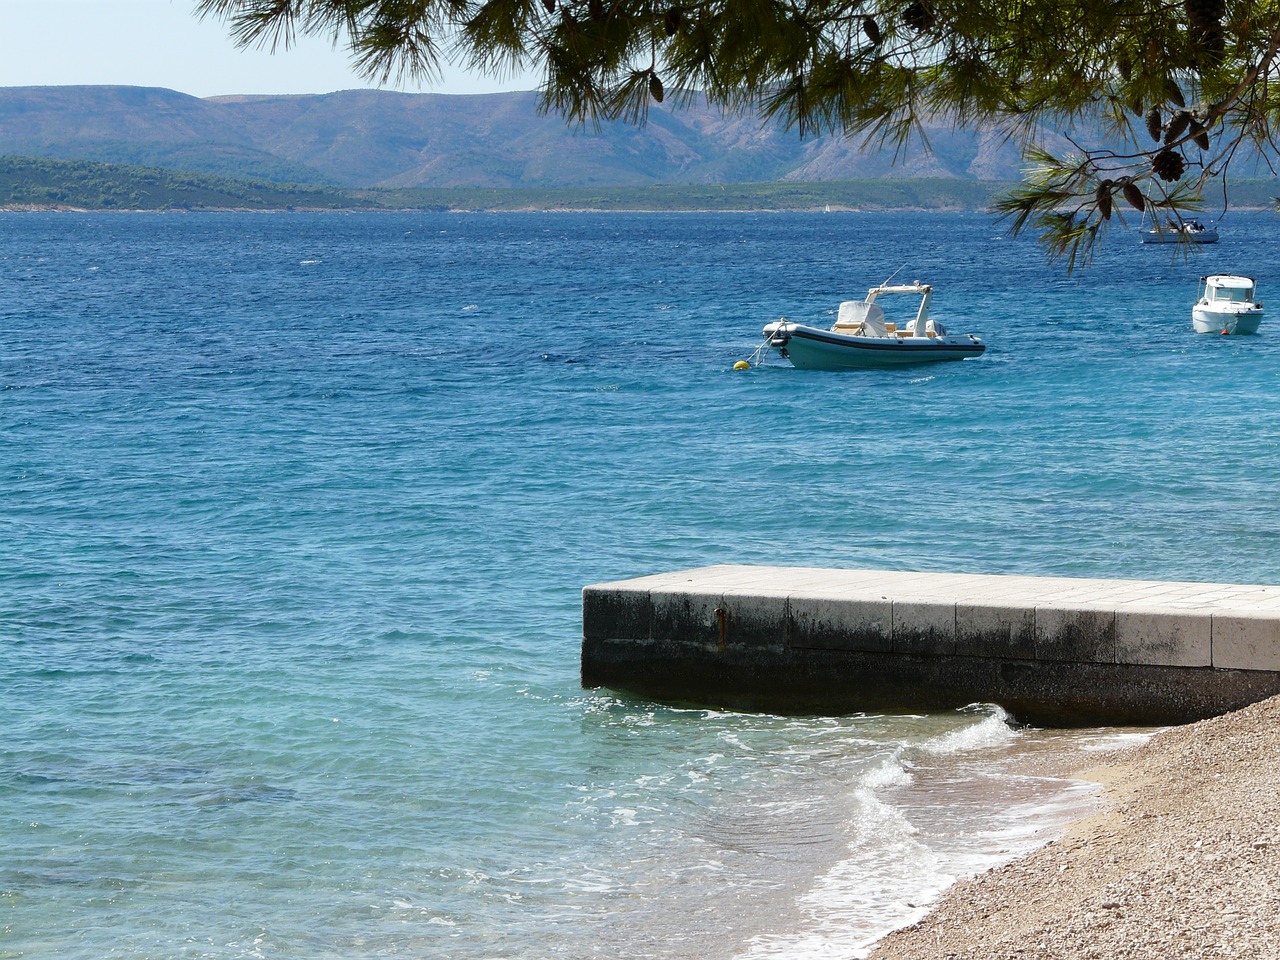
(374, 138)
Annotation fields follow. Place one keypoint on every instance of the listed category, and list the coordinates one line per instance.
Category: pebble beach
(1182, 860)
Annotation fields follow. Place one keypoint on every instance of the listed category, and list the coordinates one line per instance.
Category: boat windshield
(1232, 294)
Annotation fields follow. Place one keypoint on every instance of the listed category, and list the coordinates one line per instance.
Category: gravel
(1184, 861)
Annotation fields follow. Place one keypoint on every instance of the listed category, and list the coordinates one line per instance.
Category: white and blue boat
(863, 337)
(1227, 305)
(1183, 231)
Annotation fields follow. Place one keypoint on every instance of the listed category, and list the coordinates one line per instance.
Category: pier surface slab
(1049, 649)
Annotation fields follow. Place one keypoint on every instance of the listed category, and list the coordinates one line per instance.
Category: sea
(297, 510)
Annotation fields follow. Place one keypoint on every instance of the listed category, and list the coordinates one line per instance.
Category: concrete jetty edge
(1054, 651)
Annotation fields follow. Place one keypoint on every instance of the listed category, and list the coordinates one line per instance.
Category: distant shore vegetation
(31, 183)
(784, 195)
(39, 183)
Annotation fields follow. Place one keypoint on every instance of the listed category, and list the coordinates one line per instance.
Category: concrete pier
(1050, 650)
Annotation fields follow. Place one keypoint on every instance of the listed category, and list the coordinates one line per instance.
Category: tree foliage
(1157, 96)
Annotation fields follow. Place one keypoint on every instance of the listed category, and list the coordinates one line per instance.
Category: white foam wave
(894, 869)
(890, 773)
(884, 883)
(992, 730)
(1019, 829)
(624, 816)
(1106, 742)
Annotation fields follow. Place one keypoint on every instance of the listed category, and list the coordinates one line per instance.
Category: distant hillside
(787, 195)
(38, 183)
(86, 185)
(369, 138)
(35, 182)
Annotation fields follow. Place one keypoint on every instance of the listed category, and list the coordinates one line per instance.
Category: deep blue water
(298, 508)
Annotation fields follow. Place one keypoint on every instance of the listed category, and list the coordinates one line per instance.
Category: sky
(160, 43)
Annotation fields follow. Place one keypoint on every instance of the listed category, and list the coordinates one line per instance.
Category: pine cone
(1178, 124)
(595, 8)
(1168, 165)
(1213, 41)
(918, 17)
(1204, 25)
(1204, 13)
(549, 5)
(674, 21)
(872, 30)
(1154, 124)
(655, 87)
(1134, 196)
(1102, 197)
(1199, 135)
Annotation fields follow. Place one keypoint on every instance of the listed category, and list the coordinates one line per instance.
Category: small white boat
(1184, 231)
(1226, 306)
(862, 337)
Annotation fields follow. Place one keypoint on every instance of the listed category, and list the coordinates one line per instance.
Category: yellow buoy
(742, 365)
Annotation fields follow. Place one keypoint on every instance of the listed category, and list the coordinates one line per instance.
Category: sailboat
(1178, 231)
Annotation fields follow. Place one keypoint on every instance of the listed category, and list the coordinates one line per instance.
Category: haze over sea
(297, 511)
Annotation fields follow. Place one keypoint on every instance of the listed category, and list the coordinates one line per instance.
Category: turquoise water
(298, 510)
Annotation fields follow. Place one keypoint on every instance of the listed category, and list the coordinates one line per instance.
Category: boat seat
(849, 320)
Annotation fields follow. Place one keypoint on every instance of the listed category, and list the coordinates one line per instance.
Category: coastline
(66, 208)
(1181, 861)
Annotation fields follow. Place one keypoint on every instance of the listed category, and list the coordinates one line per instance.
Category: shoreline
(1181, 860)
(60, 208)
(842, 209)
